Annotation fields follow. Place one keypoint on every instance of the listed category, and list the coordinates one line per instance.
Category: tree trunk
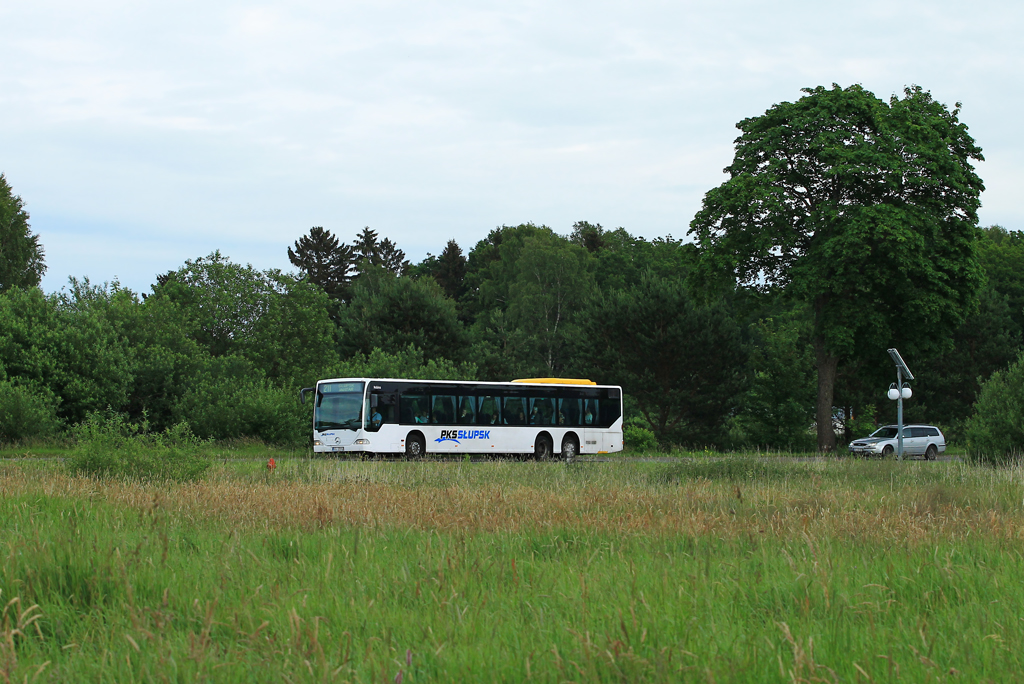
(827, 364)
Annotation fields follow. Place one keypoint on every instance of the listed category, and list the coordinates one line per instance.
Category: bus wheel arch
(570, 447)
(415, 445)
(543, 446)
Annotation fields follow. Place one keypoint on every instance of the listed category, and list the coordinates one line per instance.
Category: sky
(141, 134)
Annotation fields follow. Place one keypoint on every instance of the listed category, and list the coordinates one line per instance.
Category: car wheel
(887, 451)
(415, 446)
(569, 449)
(930, 453)
(542, 448)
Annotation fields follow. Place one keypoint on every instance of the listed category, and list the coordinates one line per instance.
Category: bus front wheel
(415, 445)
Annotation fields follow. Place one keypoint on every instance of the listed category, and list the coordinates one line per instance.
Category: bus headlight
(362, 441)
(317, 442)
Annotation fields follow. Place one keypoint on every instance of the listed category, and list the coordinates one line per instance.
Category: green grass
(739, 569)
(220, 450)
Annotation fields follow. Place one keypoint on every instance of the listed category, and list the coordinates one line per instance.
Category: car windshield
(338, 406)
(884, 432)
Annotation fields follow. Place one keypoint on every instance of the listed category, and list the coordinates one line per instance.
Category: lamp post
(898, 392)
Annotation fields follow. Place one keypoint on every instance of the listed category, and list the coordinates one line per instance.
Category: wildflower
(271, 465)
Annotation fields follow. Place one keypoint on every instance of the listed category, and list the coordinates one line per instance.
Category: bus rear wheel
(543, 446)
(415, 445)
(570, 448)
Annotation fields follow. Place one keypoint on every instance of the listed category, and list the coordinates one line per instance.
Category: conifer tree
(451, 270)
(21, 255)
(371, 252)
(324, 260)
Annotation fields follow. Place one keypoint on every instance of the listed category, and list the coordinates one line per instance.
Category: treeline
(225, 347)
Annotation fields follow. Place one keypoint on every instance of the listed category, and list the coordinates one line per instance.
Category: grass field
(723, 570)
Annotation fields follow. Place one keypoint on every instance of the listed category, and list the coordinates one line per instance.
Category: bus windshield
(338, 406)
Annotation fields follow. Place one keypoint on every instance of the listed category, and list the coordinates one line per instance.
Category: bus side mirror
(302, 394)
(373, 401)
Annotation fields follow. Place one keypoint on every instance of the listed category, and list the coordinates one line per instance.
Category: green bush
(995, 433)
(638, 438)
(26, 411)
(862, 425)
(229, 408)
(108, 445)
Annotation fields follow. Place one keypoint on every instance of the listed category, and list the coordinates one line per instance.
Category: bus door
(381, 410)
(593, 435)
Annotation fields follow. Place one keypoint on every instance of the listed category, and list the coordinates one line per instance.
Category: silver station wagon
(926, 440)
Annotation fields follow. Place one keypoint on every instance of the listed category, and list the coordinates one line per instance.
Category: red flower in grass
(271, 465)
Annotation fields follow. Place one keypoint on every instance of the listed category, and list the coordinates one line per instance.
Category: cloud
(238, 125)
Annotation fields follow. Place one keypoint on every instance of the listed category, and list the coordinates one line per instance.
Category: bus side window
(489, 413)
(467, 410)
(591, 415)
(569, 412)
(443, 412)
(414, 409)
(541, 412)
(609, 412)
(514, 412)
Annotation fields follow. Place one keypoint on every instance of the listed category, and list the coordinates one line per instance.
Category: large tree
(324, 260)
(371, 252)
(865, 209)
(276, 322)
(777, 407)
(1001, 253)
(226, 303)
(69, 343)
(589, 235)
(682, 362)
(21, 255)
(448, 270)
(451, 270)
(554, 279)
(392, 313)
(492, 268)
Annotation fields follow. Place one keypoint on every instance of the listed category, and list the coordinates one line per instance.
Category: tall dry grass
(911, 504)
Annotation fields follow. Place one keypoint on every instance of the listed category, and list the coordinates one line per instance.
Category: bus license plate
(337, 448)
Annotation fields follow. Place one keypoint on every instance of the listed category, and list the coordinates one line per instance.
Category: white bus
(420, 417)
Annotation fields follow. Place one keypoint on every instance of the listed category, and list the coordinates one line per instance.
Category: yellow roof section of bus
(557, 381)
